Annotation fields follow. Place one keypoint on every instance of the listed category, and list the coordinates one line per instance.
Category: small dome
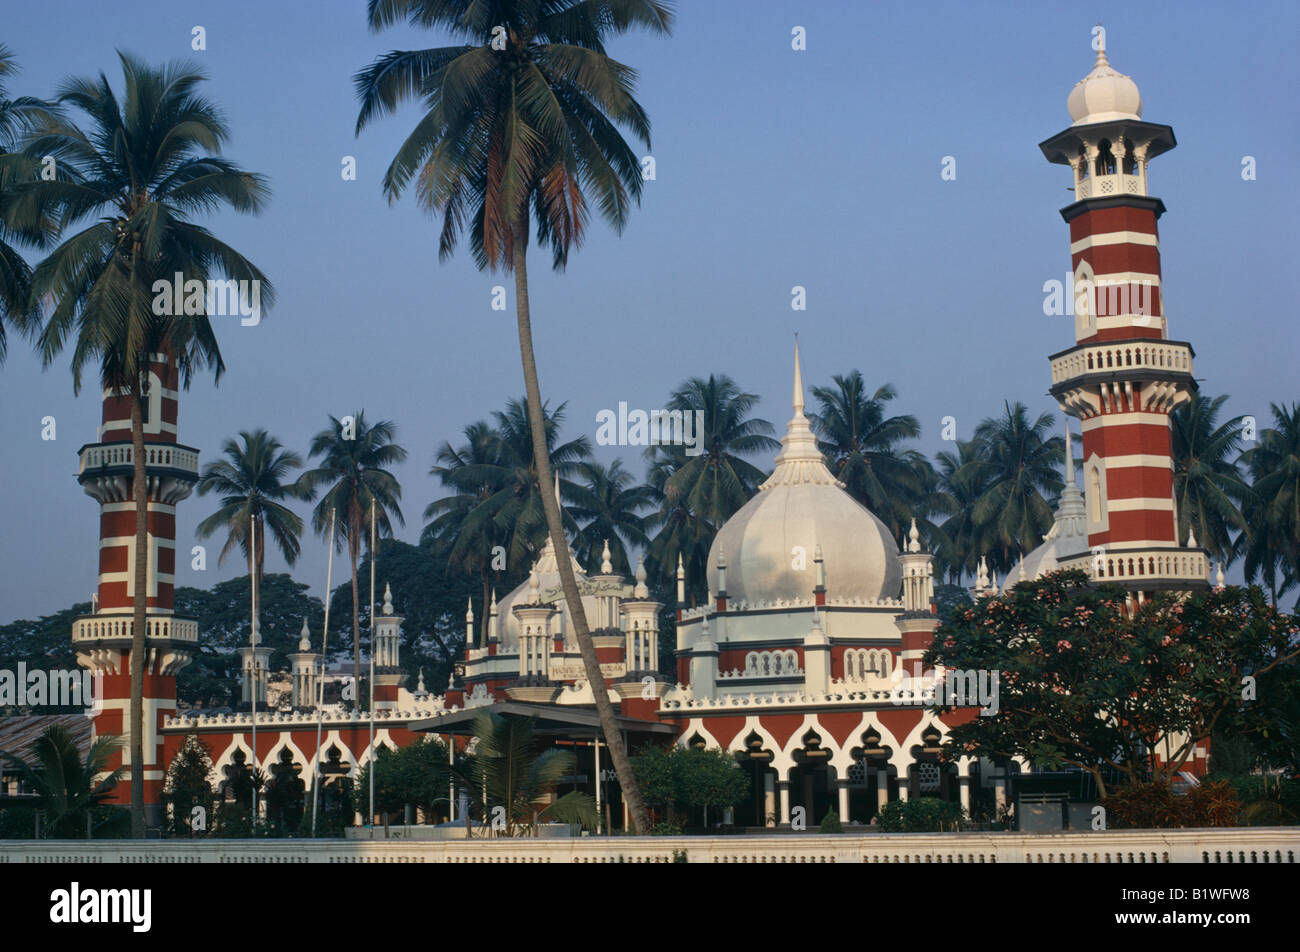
(802, 505)
(1104, 95)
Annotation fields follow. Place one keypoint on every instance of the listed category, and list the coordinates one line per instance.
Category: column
(783, 790)
(964, 781)
(882, 788)
(769, 795)
(844, 800)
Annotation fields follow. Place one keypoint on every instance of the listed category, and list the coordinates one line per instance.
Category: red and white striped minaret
(1124, 375)
(103, 639)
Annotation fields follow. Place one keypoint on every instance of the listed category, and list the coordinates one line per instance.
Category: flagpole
(373, 531)
(252, 694)
(320, 681)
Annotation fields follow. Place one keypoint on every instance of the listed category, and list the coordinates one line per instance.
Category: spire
(388, 599)
(419, 685)
(469, 609)
(1191, 538)
(798, 381)
(1101, 50)
(1069, 455)
(914, 537)
(304, 637)
(800, 460)
(1218, 575)
(606, 566)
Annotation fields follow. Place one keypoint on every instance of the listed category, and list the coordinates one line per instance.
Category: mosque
(814, 616)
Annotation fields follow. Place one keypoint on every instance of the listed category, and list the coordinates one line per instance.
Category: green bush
(922, 815)
(1266, 800)
(831, 823)
(17, 823)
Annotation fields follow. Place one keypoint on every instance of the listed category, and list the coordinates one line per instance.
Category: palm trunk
(550, 505)
(139, 492)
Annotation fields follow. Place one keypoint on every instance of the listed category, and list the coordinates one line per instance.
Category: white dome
(1103, 95)
(802, 505)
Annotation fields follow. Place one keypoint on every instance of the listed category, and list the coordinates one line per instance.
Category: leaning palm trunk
(590, 663)
(139, 490)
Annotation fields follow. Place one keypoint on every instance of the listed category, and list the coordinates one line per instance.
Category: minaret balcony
(1146, 568)
(1109, 186)
(113, 458)
(1137, 359)
(107, 469)
(118, 628)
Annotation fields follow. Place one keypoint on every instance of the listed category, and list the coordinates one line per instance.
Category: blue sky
(775, 168)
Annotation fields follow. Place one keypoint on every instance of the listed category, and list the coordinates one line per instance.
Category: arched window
(1105, 158)
(1130, 163)
(1094, 494)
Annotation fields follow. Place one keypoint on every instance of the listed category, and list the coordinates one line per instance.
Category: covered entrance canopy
(550, 720)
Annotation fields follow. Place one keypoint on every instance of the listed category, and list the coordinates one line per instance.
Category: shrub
(1155, 806)
(831, 823)
(922, 815)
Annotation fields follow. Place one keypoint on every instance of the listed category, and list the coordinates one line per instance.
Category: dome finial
(640, 591)
(606, 566)
(914, 537)
(798, 380)
(1100, 33)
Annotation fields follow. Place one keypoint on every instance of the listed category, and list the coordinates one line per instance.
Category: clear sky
(775, 168)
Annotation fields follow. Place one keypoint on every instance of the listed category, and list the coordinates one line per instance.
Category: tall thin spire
(800, 460)
(1069, 455)
(798, 380)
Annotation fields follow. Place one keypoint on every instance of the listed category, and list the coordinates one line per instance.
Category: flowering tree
(1087, 681)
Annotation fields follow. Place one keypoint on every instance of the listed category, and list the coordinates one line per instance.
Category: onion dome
(1104, 95)
(799, 507)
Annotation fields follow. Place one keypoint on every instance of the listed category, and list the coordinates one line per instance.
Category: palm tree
(148, 162)
(517, 508)
(1271, 542)
(1020, 463)
(474, 472)
(506, 770)
(497, 502)
(864, 447)
(67, 788)
(252, 481)
(18, 117)
(961, 541)
(1207, 483)
(354, 457)
(521, 125)
(608, 502)
(697, 493)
